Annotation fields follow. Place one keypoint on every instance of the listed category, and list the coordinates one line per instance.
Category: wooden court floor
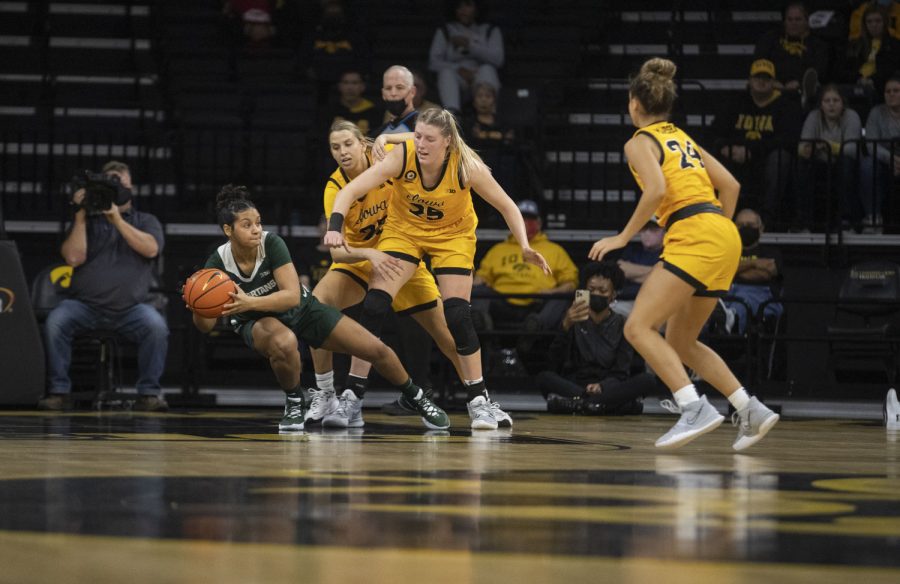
(217, 496)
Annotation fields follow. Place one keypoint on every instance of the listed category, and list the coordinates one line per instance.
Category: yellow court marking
(110, 560)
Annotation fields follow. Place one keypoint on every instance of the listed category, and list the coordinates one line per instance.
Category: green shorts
(313, 322)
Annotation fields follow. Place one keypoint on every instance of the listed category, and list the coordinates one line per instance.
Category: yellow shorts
(419, 293)
(703, 250)
(451, 253)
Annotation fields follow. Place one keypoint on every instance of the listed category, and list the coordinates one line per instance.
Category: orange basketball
(207, 290)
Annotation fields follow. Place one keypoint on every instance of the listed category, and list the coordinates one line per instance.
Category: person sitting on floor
(593, 373)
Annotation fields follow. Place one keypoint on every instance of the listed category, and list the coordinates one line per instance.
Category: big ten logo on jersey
(410, 176)
(690, 158)
(428, 209)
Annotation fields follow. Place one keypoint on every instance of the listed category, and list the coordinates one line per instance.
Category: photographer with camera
(112, 248)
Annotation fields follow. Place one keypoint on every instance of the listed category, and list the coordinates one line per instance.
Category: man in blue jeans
(112, 251)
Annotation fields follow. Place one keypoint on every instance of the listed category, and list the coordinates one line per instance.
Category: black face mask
(749, 235)
(395, 106)
(599, 303)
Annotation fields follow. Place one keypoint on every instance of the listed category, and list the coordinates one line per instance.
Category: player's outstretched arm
(484, 183)
(643, 155)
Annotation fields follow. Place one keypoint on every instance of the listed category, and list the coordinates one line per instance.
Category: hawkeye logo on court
(7, 299)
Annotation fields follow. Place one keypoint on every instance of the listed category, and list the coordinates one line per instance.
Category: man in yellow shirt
(504, 271)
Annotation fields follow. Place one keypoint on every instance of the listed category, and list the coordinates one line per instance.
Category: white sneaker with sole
(696, 419)
(322, 402)
(753, 422)
(348, 413)
(503, 419)
(891, 409)
(481, 414)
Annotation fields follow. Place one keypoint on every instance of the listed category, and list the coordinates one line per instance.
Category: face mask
(749, 235)
(532, 227)
(599, 303)
(395, 106)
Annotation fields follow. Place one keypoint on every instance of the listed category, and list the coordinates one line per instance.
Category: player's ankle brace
(475, 388)
(357, 385)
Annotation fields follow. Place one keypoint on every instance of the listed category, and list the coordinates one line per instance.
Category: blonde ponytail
(469, 160)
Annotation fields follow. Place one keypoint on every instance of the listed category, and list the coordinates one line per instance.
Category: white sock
(325, 381)
(739, 399)
(686, 395)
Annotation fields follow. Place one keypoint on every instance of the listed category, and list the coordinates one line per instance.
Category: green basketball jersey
(271, 255)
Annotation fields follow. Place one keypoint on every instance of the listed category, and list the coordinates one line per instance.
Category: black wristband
(336, 222)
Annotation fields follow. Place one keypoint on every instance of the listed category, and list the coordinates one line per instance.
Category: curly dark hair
(230, 201)
(605, 269)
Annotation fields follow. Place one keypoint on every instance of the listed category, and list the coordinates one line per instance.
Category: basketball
(207, 290)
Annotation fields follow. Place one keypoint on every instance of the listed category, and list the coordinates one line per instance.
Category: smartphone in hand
(582, 296)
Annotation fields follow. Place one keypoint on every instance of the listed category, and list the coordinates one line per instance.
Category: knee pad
(459, 321)
(375, 307)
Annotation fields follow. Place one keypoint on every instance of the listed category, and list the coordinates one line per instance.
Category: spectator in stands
(754, 134)
(420, 103)
(636, 261)
(334, 46)
(800, 58)
(351, 105)
(826, 129)
(483, 127)
(112, 253)
(592, 359)
(255, 18)
(874, 55)
(486, 132)
(313, 261)
(465, 52)
(879, 172)
(398, 91)
(890, 7)
(758, 277)
(504, 271)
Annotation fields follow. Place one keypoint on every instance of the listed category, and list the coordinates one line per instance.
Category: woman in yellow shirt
(702, 249)
(431, 213)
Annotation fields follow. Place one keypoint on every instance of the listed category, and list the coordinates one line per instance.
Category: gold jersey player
(271, 309)
(431, 213)
(347, 279)
(702, 249)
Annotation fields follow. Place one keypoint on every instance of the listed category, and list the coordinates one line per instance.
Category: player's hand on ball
(240, 302)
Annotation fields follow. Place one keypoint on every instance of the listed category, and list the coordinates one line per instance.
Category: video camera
(100, 191)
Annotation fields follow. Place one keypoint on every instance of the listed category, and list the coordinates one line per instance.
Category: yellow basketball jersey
(446, 205)
(366, 216)
(687, 181)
